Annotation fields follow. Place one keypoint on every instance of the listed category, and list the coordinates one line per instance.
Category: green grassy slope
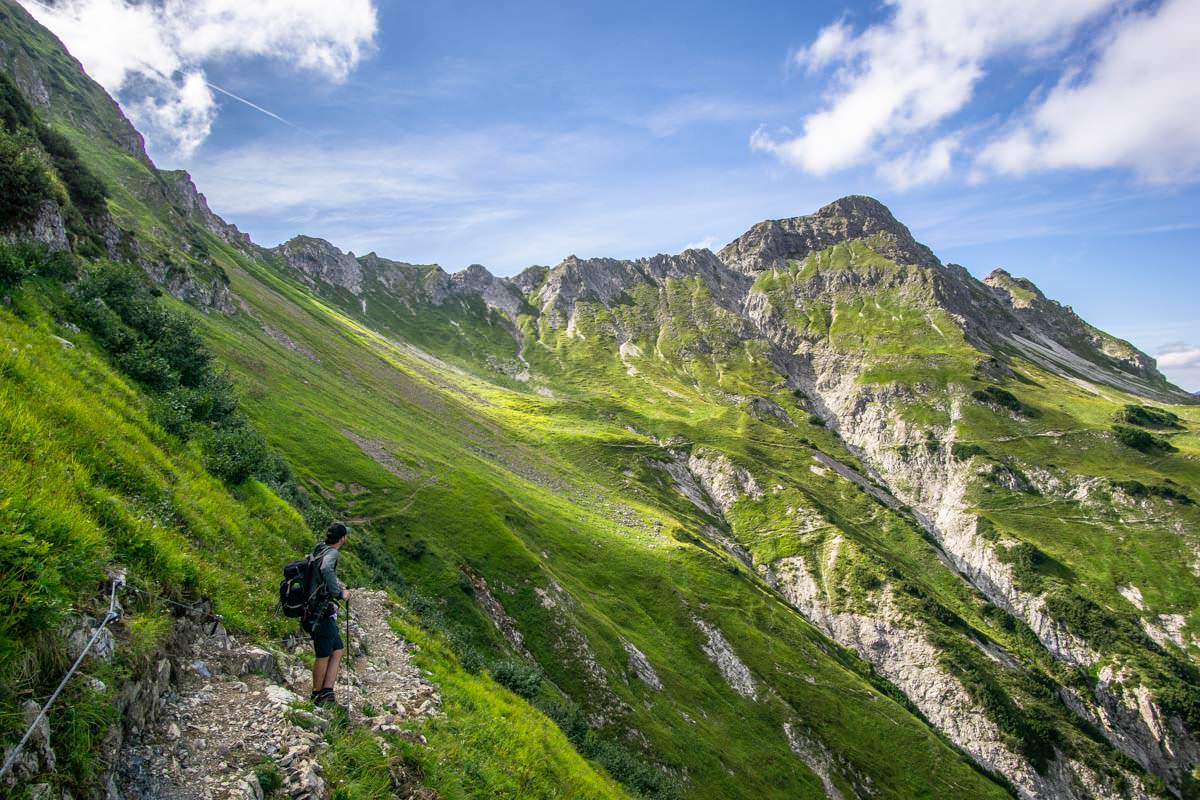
(536, 529)
(88, 482)
(527, 491)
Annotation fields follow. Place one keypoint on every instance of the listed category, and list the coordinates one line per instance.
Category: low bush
(15, 112)
(161, 349)
(1143, 441)
(24, 185)
(1148, 417)
(86, 190)
(964, 451)
(994, 395)
(27, 260)
(1138, 489)
(628, 768)
(523, 678)
(1027, 562)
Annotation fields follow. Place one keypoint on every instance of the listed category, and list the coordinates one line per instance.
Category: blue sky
(1060, 141)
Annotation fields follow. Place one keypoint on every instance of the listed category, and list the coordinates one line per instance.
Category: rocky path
(237, 707)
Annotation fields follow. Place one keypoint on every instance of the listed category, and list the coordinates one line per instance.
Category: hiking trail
(236, 706)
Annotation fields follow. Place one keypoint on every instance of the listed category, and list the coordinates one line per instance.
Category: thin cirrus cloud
(1136, 108)
(152, 55)
(913, 78)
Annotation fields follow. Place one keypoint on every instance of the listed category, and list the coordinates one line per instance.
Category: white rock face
(47, 227)
(709, 480)
(719, 651)
(1133, 595)
(640, 665)
(496, 613)
(934, 485)
(722, 480)
(900, 652)
(816, 757)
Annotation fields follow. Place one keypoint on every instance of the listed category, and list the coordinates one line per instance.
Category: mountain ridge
(835, 520)
(1024, 318)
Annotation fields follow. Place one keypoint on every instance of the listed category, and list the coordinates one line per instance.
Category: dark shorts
(326, 637)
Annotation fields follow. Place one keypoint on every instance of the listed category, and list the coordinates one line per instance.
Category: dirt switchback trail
(236, 707)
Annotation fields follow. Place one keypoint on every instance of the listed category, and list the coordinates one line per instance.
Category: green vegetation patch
(491, 742)
(1148, 417)
(1143, 441)
(994, 395)
(1162, 490)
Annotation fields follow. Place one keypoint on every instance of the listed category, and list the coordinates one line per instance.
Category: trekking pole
(349, 652)
(349, 646)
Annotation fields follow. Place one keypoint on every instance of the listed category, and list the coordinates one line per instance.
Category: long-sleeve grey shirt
(328, 557)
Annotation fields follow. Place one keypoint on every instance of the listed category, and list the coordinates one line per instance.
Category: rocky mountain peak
(530, 278)
(318, 260)
(1018, 292)
(193, 205)
(772, 243)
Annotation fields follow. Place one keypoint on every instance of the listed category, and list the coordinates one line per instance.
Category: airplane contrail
(255, 106)
(151, 68)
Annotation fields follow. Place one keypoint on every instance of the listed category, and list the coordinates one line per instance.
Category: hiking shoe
(318, 696)
(325, 698)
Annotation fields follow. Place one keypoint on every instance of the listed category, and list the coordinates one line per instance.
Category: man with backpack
(320, 613)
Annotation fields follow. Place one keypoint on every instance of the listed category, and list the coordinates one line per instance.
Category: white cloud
(687, 111)
(1135, 108)
(485, 169)
(1187, 358)
(503, 195)
(707, 243)
(920, 166)
(832, 43)
(152, 55)
(1180, 362)
(897, 80)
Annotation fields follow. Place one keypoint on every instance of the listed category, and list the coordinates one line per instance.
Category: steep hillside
(814, 516)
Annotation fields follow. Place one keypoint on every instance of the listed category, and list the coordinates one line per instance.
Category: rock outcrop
(772, 243)
(721, 653)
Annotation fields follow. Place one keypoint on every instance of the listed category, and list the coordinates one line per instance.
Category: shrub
(15, 111)
(27, 260)
(1142, 440)
(994, 395)
(24, 185)
(634, 771)
(1026, 561)
(1138, 489)
(1148, 417)
(630, 769)
(161, 349)
(1179, 694)
(85, 189)
(233, 452)
(269, 776)
(964, 451)
(815, 419)
(521, 677)
(1096, 625)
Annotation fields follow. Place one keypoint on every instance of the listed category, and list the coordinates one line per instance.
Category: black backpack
(301, 587)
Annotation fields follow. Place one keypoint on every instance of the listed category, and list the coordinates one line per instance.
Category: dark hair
(336, 532)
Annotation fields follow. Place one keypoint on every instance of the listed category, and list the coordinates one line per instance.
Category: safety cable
(114, 613)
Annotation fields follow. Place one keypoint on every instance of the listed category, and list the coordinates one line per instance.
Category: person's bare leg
(320, 669)
(331, 673)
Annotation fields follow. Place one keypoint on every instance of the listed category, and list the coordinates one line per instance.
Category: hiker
(321, 621)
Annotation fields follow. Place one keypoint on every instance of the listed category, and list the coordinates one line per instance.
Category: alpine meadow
(815, 515)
